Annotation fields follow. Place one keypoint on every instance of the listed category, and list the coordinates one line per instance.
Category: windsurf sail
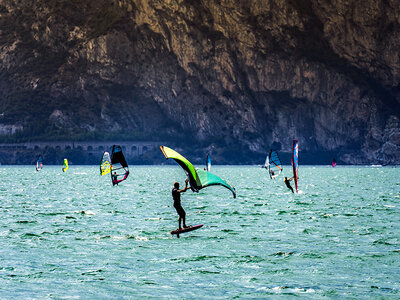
(65, 165)
(39, 163)
(198, 178)
(208, 162)
(295, 162)
(334, 163)
(119, 167)
(105, 164)
(266, 164)
(274, 164)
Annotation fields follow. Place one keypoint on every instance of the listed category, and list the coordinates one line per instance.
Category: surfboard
(187, 229)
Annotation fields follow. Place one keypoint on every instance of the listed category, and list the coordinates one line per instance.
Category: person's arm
(184, 190)
(290, 179)
(186, 187)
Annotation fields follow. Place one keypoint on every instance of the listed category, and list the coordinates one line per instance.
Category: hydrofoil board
(187, 229)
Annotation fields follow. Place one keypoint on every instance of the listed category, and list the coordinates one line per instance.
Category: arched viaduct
(131, 149)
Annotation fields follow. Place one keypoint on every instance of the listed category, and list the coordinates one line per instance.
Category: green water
(74, 235)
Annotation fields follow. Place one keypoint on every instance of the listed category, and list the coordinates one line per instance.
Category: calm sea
(74, 235)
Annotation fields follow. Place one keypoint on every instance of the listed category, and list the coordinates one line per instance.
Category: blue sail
(208, 163)
(275, 165)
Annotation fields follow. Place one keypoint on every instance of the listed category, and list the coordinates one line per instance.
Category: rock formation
(217, 73)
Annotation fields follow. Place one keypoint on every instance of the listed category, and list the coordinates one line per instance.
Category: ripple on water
(76, 235)
(26, 222)
(285, 290)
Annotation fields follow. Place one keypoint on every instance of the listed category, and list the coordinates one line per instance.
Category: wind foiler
(198, 178)
(295, 162)
(65, 165)
(273, 164)
(39, 163)
(105, 164)
(208, 163)
(119, 167)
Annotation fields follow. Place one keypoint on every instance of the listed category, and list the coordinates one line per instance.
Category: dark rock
(201, 73)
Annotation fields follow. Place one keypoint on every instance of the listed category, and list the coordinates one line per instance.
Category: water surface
(74, 235)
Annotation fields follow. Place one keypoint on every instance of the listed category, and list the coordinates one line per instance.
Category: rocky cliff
(229, 75)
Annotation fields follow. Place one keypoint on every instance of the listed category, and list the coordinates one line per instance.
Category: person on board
(115, 178)
(287, 182)
(176, 195)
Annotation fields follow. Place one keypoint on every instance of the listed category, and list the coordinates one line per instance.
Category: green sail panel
(198, 178)
(205, 179)
(183, 162)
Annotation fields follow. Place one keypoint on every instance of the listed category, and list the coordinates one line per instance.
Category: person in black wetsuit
(115, 178)
(176, 195)
(287, 182)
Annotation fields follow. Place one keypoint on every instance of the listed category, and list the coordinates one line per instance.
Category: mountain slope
(212, 73)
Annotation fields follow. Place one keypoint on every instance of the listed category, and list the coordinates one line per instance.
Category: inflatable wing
(198, 178)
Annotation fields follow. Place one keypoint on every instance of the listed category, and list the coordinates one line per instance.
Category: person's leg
(184, 219)
(182, 216)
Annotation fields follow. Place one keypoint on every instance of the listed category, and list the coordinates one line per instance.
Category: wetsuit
(177, 202)
(287, 182)
(115, 179)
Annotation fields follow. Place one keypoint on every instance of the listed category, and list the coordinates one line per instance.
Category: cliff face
(221, 73)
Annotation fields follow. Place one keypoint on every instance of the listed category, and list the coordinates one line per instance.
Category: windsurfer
(287, 182)
(176, 195)
(115, 178)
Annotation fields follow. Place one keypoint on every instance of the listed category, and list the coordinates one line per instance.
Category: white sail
(266, 165)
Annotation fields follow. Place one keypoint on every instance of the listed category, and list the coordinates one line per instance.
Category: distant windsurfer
(115, 178)
(287, 182)
(176, 195)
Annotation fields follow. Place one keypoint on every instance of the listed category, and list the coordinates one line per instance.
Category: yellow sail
(65, 165)
(105, 166)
